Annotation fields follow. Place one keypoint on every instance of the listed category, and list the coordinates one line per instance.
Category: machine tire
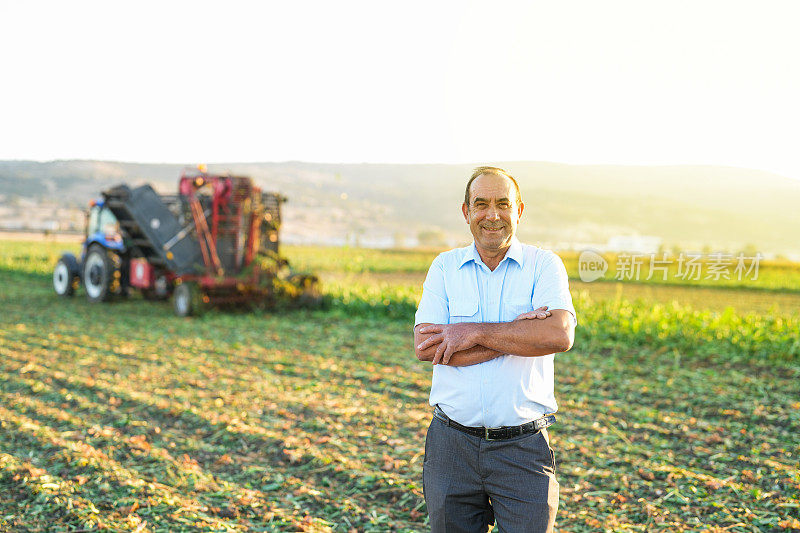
(187, 300)
(66, 276)
(101, 277)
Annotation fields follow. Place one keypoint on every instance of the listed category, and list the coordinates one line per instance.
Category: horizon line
(422, 163)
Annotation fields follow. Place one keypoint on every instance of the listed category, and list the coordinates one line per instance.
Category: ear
(465, 210)
(520, 209)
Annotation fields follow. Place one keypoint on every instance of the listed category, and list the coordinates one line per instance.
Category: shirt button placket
(485, 276)
(495, 284)
(497, 287)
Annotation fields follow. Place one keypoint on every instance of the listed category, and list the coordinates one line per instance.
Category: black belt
(501, 433)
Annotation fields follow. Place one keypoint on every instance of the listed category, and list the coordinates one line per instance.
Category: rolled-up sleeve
(433, 306)
(552, 286)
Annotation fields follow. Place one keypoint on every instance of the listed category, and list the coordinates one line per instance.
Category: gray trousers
(469, 482)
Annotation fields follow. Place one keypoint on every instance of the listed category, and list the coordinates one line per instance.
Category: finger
(435, 328)
(430, 341)
(534, 315)
(447, 354)
(437, 358)
(542, 308)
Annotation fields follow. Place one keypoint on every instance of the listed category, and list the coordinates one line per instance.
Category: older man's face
(493, 212)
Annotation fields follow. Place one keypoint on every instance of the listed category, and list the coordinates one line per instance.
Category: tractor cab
(102, 228)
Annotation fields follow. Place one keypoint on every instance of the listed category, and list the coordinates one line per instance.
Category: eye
(504, 205)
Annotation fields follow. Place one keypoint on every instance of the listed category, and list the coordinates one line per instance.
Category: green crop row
(619, 324)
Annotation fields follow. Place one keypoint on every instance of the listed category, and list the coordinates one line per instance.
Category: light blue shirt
(508, 390)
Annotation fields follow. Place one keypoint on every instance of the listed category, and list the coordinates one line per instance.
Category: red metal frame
(228, 217)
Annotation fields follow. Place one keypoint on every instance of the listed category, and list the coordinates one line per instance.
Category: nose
(493, 213)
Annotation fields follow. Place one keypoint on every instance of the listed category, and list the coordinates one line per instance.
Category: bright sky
(638, 82)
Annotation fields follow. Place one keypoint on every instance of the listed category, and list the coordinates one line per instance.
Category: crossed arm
(532, 334)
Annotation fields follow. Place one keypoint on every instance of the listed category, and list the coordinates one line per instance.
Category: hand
(539, 313)
(451, 338)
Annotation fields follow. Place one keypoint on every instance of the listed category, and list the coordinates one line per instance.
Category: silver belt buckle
(486, 434)
(544, 421)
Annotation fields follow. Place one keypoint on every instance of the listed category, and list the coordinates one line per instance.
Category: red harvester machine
(214, 243)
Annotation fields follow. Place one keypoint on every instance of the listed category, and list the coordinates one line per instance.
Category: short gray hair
(491, 170)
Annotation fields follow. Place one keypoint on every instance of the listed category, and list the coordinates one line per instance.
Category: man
(491, 318)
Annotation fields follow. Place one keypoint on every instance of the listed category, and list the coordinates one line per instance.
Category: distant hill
(687, 206)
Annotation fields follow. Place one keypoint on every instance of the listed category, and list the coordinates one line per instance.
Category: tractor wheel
(101, 274)
(66, 276)
(187, 299)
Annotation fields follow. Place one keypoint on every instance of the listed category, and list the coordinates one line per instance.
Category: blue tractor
(101, 266)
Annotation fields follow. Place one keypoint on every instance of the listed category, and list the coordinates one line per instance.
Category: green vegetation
(358, 260)
(674, 415)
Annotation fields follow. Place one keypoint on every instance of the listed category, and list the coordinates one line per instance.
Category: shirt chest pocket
(464, 310)
(513, 308)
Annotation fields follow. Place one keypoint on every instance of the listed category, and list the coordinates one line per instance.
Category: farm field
(772, 275)
(679, 406)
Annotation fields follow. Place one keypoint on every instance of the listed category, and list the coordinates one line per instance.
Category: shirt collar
(514, 252)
